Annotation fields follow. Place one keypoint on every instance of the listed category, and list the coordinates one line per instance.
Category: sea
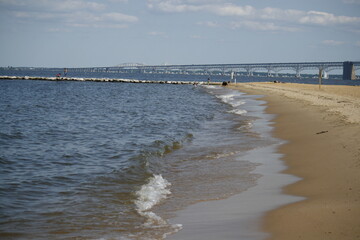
(107, 160)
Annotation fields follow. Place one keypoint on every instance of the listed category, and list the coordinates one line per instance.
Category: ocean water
(98, 160)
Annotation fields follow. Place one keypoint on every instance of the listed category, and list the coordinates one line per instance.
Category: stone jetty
(104, 80)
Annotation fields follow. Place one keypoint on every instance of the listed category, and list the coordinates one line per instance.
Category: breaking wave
(150, 194)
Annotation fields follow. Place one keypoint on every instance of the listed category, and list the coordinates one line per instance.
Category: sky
(94, 33)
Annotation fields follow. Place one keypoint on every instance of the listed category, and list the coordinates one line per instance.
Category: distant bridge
(272, 69)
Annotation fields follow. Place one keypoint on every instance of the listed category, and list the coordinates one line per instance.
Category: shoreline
(226, 218)
(322, 127)
(313, 191)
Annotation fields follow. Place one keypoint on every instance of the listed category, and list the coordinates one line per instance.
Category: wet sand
(320, 172)
(322, 127)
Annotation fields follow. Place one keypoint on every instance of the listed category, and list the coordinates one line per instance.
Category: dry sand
(323, 130)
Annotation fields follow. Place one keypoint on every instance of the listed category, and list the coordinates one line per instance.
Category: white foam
(227, 98)
(246, 126)
(239, 111)
(231, 99)
(210, 86)
(237, 103)
(149, 195)
(176, 228)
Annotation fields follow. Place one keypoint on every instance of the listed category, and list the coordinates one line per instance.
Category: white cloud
(65, 13)
(80, 18)
(119, 17)
(54, 6)
(279, 14)
(174, 8)
(154, 33)
(262, 26)
(98, 25)
(208, 24)
(160, 34)
(118, 1)
(333, 42)
(250, 13)
(58, 30)
(323, 18)
(232, 10)
(180, 5)
(204, 1)
(70, 5)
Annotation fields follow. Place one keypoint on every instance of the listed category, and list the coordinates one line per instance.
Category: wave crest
(150, 195)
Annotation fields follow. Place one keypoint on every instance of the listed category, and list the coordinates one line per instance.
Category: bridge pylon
(349, 71)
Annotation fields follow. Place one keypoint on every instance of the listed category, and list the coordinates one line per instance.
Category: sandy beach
(320, 175)
(323, 133)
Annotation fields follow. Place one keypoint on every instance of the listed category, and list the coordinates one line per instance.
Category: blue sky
(85, 33)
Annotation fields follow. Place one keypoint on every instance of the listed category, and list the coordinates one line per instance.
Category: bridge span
(272, 69)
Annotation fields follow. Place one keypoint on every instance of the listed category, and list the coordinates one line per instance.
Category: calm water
(89, 160)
